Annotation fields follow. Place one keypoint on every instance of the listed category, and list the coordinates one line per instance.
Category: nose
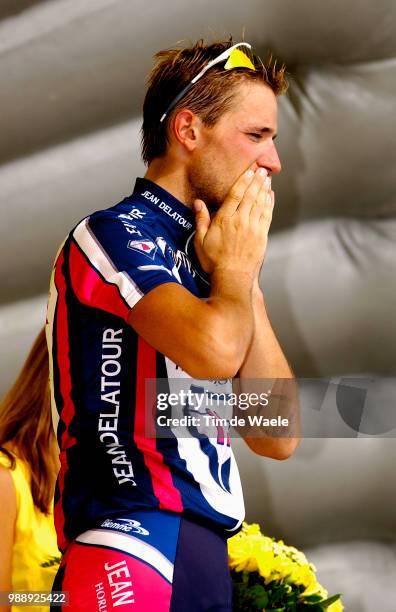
(270, 159)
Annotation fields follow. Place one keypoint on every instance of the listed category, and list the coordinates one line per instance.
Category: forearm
(264, 358)
(265, 368)
(231, 314)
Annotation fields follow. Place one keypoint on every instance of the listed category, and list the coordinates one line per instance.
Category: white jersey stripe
(130, 544)
(102, 262)
(235, 485)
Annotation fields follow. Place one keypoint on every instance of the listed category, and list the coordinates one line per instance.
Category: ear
(186, 129)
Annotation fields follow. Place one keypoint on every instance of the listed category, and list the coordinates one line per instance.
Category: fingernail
(197, 206)
(268, 182)
(263, 172)
(249, 173)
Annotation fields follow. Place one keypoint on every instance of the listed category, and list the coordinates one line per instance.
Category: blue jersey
(99, 366)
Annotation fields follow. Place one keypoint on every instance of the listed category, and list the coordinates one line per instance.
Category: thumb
(202, 219)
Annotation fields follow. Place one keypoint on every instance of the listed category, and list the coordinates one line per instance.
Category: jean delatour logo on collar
(167, 209)
(146, 247)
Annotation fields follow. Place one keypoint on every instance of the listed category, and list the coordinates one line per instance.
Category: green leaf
(327, 602)
(259, 596)
(315, 598)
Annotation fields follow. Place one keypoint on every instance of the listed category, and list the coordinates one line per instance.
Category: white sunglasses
(217, 60)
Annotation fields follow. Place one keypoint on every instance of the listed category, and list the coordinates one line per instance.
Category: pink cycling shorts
(146, 561)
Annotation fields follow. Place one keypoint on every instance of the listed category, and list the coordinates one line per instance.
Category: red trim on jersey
(91, 289)
(65, 385)
(163, 487)
(59, 517)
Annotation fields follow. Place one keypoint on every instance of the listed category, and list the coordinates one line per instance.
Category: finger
(270, 200)
(202, 220)
(266, 216)
(261, 202)
(235, 194)
(252, 192)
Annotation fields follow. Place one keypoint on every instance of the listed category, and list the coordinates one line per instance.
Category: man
(143, 520)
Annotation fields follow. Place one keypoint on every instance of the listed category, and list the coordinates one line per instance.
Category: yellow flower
(249, 530)
(282, 568)
(243, 551)
(251, 551)
(265, 564)
(303, 575)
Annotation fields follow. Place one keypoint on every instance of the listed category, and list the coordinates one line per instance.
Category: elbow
(222, 358)
(214, 359)
(221, 350)
(285, 449)
(279, 449)
(212, 367)
(217, 352)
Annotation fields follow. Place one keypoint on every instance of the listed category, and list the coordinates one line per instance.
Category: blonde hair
(209, 98)
(26, 424)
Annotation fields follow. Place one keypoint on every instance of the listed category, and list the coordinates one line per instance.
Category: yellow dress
(35, 556)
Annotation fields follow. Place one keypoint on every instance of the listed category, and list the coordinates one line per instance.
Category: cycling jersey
(99, 365)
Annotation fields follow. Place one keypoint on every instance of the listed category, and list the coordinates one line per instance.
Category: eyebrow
(263, 130)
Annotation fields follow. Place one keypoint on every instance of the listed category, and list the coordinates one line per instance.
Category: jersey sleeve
(112, 269)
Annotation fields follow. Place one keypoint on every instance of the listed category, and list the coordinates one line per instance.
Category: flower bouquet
(270, 576)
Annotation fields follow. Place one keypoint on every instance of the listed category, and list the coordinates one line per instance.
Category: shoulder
(128, 216)
(18, 471)
(128, 231)
(115, 227)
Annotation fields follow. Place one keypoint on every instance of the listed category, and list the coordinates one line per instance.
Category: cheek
(241, 150)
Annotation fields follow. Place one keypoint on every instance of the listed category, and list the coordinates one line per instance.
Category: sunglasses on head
(235, 59)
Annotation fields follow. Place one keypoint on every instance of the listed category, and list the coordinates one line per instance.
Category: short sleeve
(111, 269)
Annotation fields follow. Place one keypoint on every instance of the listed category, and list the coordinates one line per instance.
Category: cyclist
(164, 285)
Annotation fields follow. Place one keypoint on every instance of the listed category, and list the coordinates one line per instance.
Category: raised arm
(266, 367)
(209, 339)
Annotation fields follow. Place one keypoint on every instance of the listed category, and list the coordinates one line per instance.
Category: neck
(172, 177)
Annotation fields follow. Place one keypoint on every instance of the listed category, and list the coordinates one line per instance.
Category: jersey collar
(177, 217)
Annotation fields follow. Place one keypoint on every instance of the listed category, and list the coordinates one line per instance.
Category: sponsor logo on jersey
(134, 213)
(125, 525)
(110, 390)
(168, 210)
(132, 229)
(147, 247)
(128, 219)
(163, 247)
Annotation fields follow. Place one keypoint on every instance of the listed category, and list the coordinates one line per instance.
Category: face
(242, 138)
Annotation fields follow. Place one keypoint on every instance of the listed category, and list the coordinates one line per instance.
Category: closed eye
(261, 133)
